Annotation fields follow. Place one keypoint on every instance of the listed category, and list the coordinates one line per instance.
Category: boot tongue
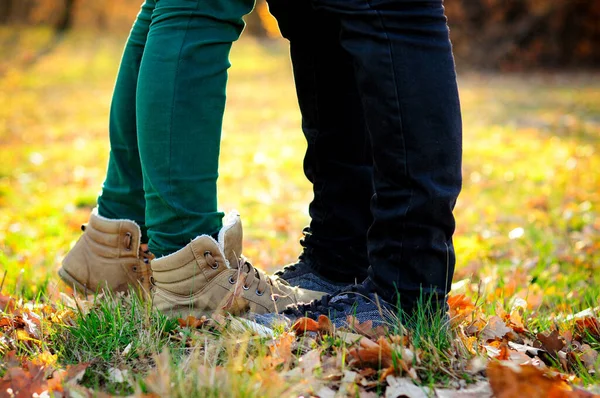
(230, 238)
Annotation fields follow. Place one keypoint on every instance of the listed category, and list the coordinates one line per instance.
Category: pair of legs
(377, 89)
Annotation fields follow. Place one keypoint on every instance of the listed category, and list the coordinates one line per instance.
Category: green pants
(166, 117)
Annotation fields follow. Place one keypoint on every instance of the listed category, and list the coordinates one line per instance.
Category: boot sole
(72, 282)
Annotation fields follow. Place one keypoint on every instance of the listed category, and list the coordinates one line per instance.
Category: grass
(527, 239)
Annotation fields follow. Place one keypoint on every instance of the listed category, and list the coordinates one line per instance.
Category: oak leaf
(552, 342)
(495, 329)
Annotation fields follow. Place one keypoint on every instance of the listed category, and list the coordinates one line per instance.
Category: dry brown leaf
(325, 325)
(495, 329)
(365, 328)
(192, 322)
(504, 353)
(280, 352)
(376, 356)
(7, 304)
(509, 380)
(304, 325)
(234, 303)
(24, 381)
(588, 325)
(588, 356)
(552, 342)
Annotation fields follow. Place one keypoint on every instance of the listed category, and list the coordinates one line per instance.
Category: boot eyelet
(258, 293)
(134, 268)
(231, 280)
(215, 266)
(245, 287)
(128, 236)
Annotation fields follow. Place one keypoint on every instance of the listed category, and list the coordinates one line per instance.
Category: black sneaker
(359, 301)
(301, 274)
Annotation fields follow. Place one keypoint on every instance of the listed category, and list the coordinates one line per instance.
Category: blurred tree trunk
(6, 7)
(65, 23)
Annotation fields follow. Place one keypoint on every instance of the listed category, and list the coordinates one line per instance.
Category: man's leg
(122, 194)
(338, 160)
(406, 78)
(180, 105)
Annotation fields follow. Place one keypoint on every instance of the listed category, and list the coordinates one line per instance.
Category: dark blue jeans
(377, 89)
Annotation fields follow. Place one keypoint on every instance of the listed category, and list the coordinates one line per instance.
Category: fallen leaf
(509, 380)
(588, 356)
(405, 388)
(192, 322)
(377, 355)
(365, 328)
(304, 325)
(588, 325)
(552, 342)
(348, 338)
(117, 375)
(460, 306)
(7, 304)
(495, 329)
(281, 351)
(45, 359)
(309, 362)
(481, 389)
(325, 325)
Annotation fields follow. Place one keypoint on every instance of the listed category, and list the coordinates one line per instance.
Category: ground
(527, 241)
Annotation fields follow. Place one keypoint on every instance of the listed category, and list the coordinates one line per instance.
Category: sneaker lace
(336, 301)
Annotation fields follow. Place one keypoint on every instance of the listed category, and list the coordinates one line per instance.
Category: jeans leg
(338, 161)
(122, 194)
(406, 78)
(180, 104)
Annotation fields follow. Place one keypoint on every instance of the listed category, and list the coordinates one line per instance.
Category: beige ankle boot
(208, 276)
(107, 255)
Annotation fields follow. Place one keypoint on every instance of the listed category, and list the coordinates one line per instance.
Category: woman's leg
(123, 193)
(179, 108)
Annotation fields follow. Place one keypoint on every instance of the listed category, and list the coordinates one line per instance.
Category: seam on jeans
(319, 133)
(187, 29)
(401, 126)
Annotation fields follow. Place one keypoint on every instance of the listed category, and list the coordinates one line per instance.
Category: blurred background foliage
(487, 34)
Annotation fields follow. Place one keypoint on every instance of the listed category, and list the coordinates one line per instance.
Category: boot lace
(252, 273)
(144, 270)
